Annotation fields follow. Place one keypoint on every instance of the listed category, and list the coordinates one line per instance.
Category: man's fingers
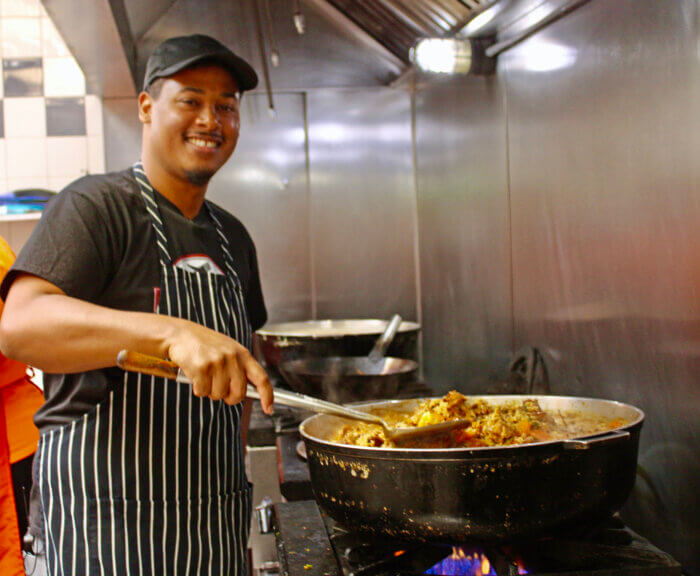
(236, 384)
(201, 386)
(258, 377)
(219, 384)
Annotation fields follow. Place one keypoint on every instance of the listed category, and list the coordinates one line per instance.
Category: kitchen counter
(295, 482)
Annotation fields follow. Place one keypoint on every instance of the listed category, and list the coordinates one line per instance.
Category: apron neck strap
(153, 211)
(157, 221)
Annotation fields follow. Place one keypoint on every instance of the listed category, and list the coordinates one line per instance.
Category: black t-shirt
(95, 241)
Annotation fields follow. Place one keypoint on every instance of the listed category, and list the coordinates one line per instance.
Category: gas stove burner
(361, 557)
(307, 538)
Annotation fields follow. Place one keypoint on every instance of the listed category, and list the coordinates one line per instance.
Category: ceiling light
(443, 55)
(452, 56)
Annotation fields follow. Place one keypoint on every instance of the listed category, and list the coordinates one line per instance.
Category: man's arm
(44, 327)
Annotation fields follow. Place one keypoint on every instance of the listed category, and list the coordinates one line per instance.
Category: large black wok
(455, 494)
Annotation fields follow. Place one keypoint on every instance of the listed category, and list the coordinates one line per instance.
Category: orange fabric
(11, 563)
(19, 399)
(7, 257)
(11, 371)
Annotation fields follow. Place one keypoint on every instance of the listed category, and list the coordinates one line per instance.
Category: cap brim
(242, 72)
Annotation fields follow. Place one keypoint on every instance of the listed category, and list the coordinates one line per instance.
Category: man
(137, 474)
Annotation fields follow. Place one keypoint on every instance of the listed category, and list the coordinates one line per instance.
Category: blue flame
(461, 563)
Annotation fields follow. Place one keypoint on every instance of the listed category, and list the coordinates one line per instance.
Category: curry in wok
(490, 424)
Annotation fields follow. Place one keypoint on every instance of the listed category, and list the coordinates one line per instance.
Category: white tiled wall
(31, 157)
(51, 42)
(21, 37)
(3, 157)
(63, 77)
(24, 118)
(20, 8)
(68, 155)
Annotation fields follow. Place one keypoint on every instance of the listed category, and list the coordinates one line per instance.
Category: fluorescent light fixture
(443, 55)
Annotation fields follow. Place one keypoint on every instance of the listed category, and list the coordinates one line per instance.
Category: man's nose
(208, 116)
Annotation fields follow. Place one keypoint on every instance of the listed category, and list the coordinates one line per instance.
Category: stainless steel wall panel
(362, 203)
(464, 235)
(604, 116)
(265, 184)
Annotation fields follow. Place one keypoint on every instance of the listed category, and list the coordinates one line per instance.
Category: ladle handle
(385, 340)
(295, 400)
(145, 364)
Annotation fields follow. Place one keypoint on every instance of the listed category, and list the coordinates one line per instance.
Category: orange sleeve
(10, 550)
(19, 396)
(7, 258)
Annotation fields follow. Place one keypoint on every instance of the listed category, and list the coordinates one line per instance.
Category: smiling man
(136, 473)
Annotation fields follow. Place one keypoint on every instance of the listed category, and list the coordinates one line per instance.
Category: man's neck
(186, 196)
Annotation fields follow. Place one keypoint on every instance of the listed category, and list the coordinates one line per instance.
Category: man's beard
(199, 177)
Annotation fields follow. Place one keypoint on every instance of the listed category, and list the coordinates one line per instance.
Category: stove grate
(613, 550)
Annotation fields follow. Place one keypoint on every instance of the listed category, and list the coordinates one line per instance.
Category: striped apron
(152, 480)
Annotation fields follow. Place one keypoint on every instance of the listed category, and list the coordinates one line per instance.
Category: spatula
(137, 362)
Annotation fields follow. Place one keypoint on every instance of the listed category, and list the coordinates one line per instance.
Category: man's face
(192, 126)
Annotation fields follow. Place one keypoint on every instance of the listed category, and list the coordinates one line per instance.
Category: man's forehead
(204, 76)
(196, 90)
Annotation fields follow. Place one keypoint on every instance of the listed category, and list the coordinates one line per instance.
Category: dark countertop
(295, 482)
(303, 547)
(261, 431)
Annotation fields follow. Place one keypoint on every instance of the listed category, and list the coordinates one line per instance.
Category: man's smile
(204, 142)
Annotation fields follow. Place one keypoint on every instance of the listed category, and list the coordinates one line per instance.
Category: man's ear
(145, 107)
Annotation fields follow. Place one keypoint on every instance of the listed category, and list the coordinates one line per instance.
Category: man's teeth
(203, 143)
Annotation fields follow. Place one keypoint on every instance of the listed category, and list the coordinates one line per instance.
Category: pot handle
(585, 444)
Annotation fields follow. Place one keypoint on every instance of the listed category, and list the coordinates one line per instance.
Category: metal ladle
(336, 366)
(137, 362)
(384, 341)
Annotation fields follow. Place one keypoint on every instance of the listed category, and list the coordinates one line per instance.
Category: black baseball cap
(181, 52)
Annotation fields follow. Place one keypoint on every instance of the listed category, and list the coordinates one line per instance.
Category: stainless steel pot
(455, 494)
(287, 341)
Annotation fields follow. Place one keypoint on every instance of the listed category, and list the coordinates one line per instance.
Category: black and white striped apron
(152, 481)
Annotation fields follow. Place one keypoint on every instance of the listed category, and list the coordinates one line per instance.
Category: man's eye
(230, 108)
(188, 102)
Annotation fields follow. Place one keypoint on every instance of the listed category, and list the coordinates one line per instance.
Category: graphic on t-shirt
(198, 263)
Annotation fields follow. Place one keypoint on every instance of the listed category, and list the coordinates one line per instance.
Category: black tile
(65, 117)
(23, 77)
(2, 120)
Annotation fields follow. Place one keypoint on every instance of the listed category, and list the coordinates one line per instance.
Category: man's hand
(218, 366)
(92, 336)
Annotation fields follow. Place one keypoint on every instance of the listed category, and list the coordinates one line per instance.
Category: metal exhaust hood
(344, 43)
